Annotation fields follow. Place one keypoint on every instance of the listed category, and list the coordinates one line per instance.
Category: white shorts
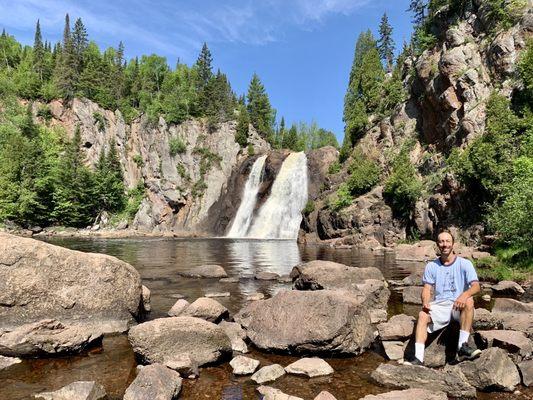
(441, 312)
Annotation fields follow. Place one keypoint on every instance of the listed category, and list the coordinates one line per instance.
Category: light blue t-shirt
(450, 280)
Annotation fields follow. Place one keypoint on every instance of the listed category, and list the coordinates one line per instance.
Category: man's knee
(469, 306)
(424, 318)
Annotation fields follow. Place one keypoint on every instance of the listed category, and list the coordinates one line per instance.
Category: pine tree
(38, 52)
(109, 181)
(243, 124)
(418, 9)
(261, 113)
(290, 140)
(65, 70)
(79, 45)
(385, 42)
(203, 63)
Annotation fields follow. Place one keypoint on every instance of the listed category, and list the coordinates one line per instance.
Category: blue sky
(301, 49)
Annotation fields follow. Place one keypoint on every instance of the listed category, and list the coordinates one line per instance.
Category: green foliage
(137, 159)
(44, 112)
(100, 121)
(250, 150)
(259, 109)
(496, 269)
(386, 43)
(198, 188)
(309, 207)
(402, 188)
(290, 140)
(176, 146)
(341, 199)
(364, 174)
(334, 168)
(182, 172)
(243, 125)
(207, 159)
(135, 198)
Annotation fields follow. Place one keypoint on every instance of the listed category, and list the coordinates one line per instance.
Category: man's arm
(460, 303)
(426, 296)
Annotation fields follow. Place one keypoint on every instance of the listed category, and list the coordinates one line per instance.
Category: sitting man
(455, 281)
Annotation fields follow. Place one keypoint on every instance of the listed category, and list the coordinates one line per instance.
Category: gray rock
(229, 280)
(80, 390)
(512, 306)
(308, 321)
(512, 341)
(450, 380)
(270, 393)
(177, 296)
(397, 328)
(268, 373)
(243, 365)
(377, 316)
(486, 297)
(408, 394)
(236, 335)
(413, 279)
(47, 337)
(178, 308)
(42, 281)
(526, 370)
(183, 364)
(205, 308)
(485, 320)
(255, 297)
(266, 276)
(325, 395)
(146, 298)
(6, 362)
(154, 382)
(206, 271)
(508, 288)
(411, 294)
(394, 349)
(514, 314)
(493, 370)
(162, 340)
(310, 367)
(285, 279)
(217, 294)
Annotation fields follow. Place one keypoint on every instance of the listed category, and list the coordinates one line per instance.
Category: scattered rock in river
(266, 276)
(236, 335)
(394, 349)
(526, 370)
(325, 395)
(79, 390)
(270, 393)
(43, 281)
(449, 380)
(408, 394)
(184, 365)
(310, 367)
(244, 365)
(208, 309)
(162, 340)
(397, 328)
(493, 370)
(229, 280)
(47, 337)
(255, 297)
(145, 295)
(178, 308)
(268, 373)
(285, 279)
(308, 321)
(177, 296)
(217, 294)
(154, 382)
(6, 362)
(512, 341)
(206, 271)
(508, 288)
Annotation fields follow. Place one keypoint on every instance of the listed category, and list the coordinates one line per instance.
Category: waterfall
(281, 214)
(242, 220)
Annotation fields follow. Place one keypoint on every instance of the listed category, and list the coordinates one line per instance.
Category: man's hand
(426, 308)
(460, 302)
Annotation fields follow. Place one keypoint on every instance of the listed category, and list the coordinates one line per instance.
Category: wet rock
(485, 320)
(270, 393)
(308, 321)
(178, 308)
(266, 276)
(268, 373)
(244, 365)
(146, 299)
(161, 340)
(508, 288)
(486, 297)
(206, 271)
(183, 364)
(177, 296)
(325, 395)
(394, 349)
(255, 297)
(512, 341)
(526, 370)
(217, 294)
(6, 362)
(80, 390)
(408, 394)
(449, 380)
(208, 309)
(47, 337)
(310, 367)
(42, 281)
(154, 382)
(285, 279)
(397, 328)
(229, 280)
(411, 294)
(236, 335)
(493, 370)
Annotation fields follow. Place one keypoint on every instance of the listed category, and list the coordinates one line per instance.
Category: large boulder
(154, 382)
(449, 380)
(236, 334)
(526, 370)
(512, 341)
(47, 337)
(206, 308)
(515, 315)
(79, 390)
(493, 370)
(41, 281)
(165, 339)
(309, 321)
(6, 362)
(206, 271)
(397, 328)
(508, 288)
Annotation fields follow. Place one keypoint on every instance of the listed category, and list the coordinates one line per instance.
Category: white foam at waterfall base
(281, 214)
(242, 219)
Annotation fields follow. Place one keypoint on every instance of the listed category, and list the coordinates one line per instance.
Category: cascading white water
(242, 220)
(281, 214)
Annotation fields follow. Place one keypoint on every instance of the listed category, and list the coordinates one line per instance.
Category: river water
(160, 261)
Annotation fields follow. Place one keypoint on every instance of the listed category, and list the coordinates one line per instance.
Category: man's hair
(448, 232)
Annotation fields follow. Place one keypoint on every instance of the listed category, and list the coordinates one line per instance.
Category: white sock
(419, 351)
(463, 338)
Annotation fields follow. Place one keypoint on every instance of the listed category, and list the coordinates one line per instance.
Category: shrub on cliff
(364, 174)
